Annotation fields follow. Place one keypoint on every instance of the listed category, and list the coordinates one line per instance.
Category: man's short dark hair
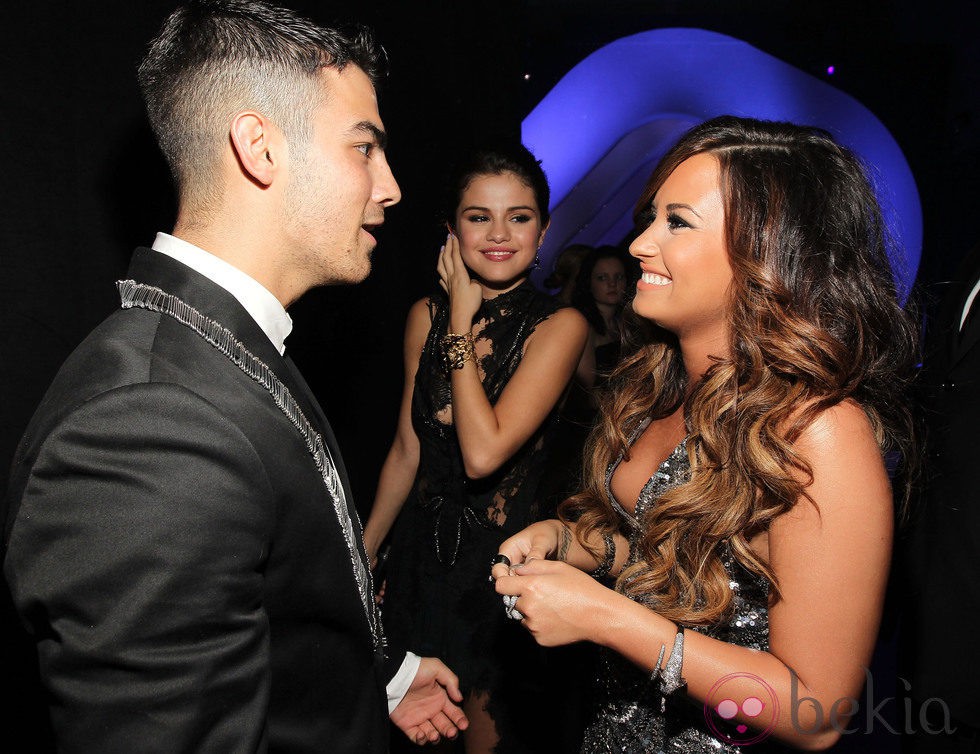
(214, 58)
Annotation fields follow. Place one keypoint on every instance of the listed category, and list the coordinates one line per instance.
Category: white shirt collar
(970, 302)
(258, 301)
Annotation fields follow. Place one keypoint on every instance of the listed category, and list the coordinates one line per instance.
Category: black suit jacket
(175, 553)
(943, 559)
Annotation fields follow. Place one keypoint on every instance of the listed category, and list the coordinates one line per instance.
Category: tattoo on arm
(564, 542)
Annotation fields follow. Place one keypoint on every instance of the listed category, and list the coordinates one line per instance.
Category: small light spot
(830, 70)
(727, 709)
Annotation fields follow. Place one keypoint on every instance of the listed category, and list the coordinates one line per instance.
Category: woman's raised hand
(465, 294)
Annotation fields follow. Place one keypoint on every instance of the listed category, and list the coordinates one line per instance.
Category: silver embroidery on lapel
(141, 296)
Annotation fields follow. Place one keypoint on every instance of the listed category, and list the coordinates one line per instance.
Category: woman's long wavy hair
(815, 320)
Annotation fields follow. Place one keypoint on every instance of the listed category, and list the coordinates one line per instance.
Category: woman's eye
(521, 218)
(676, 221)
(477, 218)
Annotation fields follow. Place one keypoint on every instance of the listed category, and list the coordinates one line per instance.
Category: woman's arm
(398, 471)
(555, 540)
(585, 370)
(831, 559)
(490, 434)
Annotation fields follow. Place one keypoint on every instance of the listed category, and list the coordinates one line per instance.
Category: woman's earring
(537, 258)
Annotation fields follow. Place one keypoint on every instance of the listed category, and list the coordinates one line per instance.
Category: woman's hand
(560, 603)
(540, 540)
(465, 294)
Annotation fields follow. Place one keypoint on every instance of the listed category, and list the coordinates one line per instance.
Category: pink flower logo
(745, 694)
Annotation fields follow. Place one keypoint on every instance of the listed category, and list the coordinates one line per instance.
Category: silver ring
(510, 600)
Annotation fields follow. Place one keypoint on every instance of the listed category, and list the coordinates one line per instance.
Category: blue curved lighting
(603, 127)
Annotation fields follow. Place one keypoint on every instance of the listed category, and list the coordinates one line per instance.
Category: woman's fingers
(452, 246)
(441, 267)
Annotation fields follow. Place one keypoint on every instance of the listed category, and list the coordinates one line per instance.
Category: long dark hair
(815, 320)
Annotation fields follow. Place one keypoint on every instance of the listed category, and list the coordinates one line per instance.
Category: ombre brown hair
(815, 320)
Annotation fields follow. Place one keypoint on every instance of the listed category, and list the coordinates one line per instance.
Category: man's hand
(427, 713)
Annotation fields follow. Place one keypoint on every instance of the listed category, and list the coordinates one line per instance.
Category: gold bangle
(456, 349)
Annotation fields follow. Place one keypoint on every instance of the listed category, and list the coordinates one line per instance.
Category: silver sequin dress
(633, 717)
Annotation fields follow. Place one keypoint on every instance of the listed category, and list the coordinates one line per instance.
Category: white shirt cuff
(402, 681)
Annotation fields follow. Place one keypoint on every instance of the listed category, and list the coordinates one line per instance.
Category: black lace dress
(438, 597)
(633, 717)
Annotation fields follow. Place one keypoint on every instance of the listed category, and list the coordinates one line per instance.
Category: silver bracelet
(604, 567)
(670, 676)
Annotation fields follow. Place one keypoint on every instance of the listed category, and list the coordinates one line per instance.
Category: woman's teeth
(653, 278)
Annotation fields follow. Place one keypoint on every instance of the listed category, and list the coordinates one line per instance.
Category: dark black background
(82, 182)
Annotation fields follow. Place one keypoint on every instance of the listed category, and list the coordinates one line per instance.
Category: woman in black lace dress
(737, 487)
(487, 359)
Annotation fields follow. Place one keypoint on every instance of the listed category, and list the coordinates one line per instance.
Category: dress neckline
(659, 476)
(520, 292)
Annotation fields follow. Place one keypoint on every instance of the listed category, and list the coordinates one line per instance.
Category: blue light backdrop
(601, 129)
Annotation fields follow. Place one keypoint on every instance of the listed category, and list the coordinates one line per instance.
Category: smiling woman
(742, 440)
(686, 275)
(487, 359)
(499, 230)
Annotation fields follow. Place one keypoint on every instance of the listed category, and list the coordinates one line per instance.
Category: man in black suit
(179, 535)
(941, 653)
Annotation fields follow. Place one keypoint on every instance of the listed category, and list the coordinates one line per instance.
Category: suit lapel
(213, 301)
(320, 420)
(210, 299)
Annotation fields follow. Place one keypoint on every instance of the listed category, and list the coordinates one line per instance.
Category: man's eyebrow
(367, 127)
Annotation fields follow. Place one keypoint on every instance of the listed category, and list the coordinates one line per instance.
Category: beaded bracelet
(605, 566)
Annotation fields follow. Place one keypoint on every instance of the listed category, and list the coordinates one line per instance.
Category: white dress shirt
(270, 315)
(969, 303)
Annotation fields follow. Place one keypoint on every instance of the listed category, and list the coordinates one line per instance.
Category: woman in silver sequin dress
(737, 487)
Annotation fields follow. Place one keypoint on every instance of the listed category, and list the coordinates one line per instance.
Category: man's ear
(254, 145)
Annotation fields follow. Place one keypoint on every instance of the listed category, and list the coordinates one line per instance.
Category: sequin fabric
(633, 717)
